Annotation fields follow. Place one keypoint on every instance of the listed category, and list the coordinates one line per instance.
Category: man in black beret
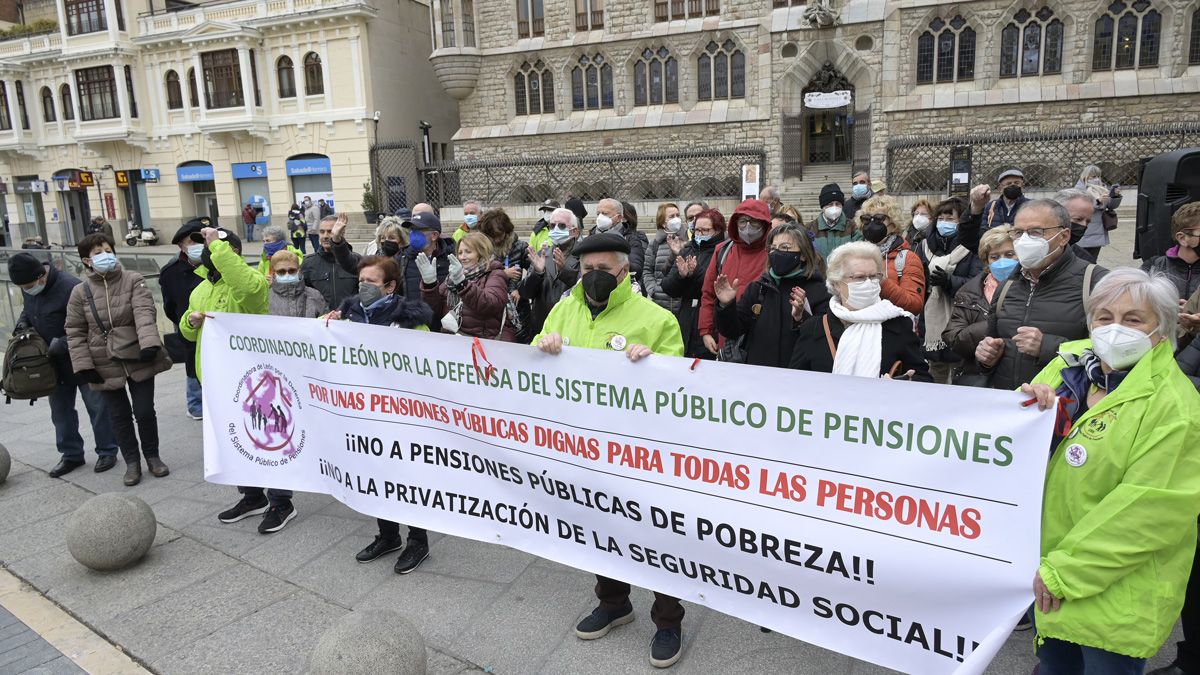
(178, 279)
(603, 312)
(45, 291)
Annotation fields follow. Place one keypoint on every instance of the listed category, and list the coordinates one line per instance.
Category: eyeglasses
(559, 226)
(855, 278)
(786, 248)
(286, 270)
(1036, 232)
(706, 232)
(1194, 234)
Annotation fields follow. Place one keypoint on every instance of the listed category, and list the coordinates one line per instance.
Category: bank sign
(308, 167)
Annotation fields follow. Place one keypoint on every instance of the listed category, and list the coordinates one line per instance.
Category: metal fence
(395, 179)
(709, 173)
(1049, 160)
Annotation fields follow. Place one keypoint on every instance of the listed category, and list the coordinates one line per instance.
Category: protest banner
(895, 522)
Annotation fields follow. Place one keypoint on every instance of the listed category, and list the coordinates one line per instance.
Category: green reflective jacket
(629, 319)
(1119, 527)
(241, 289)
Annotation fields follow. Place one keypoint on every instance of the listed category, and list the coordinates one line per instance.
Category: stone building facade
(914, 70)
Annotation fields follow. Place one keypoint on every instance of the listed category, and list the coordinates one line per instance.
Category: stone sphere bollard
(5, 463)
(369, 641)
(111, 531)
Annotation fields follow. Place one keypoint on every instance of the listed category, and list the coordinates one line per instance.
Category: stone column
(298, 79)
(199, 85)
(247, 81)
(123, 109)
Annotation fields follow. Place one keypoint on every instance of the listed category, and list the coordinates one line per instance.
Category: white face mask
(1030, 251)
(673, 224)
(833, 212)
(1120, 346)
(603, 223)
(862, 294)
(921, 222)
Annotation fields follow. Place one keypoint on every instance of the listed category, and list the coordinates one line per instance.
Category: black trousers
(391, 530)
(123, 414)
(666, 612)
(1188, 658)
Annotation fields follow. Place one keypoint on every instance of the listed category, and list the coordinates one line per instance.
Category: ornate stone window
(97, 93)
(314, 79)
(534, 89)
(68, 109)
(592, 83)
(286, 73)
(1194, 47)
(468, 23)
(1127, 36)
(84, 16)
(655, 78)
(589, 15)
(447, 13)
(174, 91)
(720, 72)
(531, 18)
(47, 105)
(222, 79)
(193, 97)
(669, 10)
(1031, 44)
(946, 51)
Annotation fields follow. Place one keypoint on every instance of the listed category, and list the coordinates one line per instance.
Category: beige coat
(122, 299)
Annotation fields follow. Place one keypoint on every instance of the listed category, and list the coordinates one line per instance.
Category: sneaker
(597, 624)
(377, 548)
(195, 416)
(277, 517)
(243, 509)
(1025, 623)
(411, 557)
(666, 647)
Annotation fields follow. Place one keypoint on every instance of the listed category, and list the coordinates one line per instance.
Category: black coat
(542, 290)
(46, 314)
(335, 283)
(411, 274)
(764, 315)
(900, 343)
(177, 280)
(1189, 362)
(688, 290)
(968, 324)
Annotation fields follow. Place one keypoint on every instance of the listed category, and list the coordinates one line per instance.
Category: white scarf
(940, 303)
(860, 350)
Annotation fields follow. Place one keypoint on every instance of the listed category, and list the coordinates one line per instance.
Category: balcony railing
(32, 44)
(234, 11)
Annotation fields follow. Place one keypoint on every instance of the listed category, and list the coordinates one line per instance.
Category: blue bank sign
(190, 174)
(249, 170)
(308, 167)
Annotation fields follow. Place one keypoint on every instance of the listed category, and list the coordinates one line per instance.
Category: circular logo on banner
(269, 431)
(1076, 455)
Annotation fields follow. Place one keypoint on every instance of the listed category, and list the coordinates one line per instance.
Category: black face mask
(598, 285)
(875, 230)
(784, 263)
(1012, 192)
(389, 247)
(1077, 231)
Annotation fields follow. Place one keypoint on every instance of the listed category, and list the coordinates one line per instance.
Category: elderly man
(1081, 206)
(553, 266)
(603, 312)
(770, 196)
(425, 237)
(1003, 209)
(860, 192)
(422, 208)
(610, 217)
(1042, 307)
(322, 271)
(471, 212)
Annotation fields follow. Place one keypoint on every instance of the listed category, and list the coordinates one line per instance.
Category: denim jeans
(249, 231)
(195, 405)
(66, 421)
(1064, 658)
(123, 414)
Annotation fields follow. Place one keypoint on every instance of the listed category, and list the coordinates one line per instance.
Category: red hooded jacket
(746, 262)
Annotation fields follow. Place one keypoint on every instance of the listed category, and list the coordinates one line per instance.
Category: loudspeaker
(1167, 182)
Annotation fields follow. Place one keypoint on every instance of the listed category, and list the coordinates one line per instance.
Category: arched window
(592, 83)
(174, 91)
(946, 51)
(721, 72)
(21, 105)
(314, 80)
(64, 97)
(1135, 41)
(1194, 48)
(1035, 41)
(287, 77)
(534, 89)
(193, 98)
(655, 78)
(5, 115)
(47, 97)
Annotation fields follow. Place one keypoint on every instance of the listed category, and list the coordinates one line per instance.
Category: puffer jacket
(484, 304)
(659, 259)
(764, 315)
(236, 288)
(295, 300)
(544, 289)
(1119, 512)
(410, 274)
(1054, 305)
(122, 299)
(1186, 277)
(968, 324)
(744, 261)
(322, 271)
(689, 289)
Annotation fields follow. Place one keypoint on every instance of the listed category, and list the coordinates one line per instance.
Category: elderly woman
(112, 335)
(289, 296)
(771, 311)
(390, 238)
(513, 256)
(863, 334)
(1108, 198)
(275, 239)
(881, 224)
(969, 316)
(1122, 487)
(660, 254)
(473, 300)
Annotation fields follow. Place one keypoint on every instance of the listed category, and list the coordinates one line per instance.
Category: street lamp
(425, 148)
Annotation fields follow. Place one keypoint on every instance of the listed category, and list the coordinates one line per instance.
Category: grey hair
(1059, 211)
(392, 225)
(470, 202)
(275, 232)
(622, 258)
(569, 212)
(329, 219)
(843, 255)
(1090, 171)
(860, 173)
(1069, 195)
(619, 206)
(701, 203)
(771, 191)
(1155, 290)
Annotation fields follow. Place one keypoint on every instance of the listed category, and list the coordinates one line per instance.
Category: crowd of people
(993, 290)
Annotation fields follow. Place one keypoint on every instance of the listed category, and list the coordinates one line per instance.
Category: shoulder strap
(829, 336)
(87, 290)
(1087, 284)
(992, 212)
(900, 256)
(723, 254)
(1000, 300)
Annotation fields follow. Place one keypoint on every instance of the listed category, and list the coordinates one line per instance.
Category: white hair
(275, 232)
(1069, 195)
(574, 222)
(1154, 290)
(612, 202)
(841, 257)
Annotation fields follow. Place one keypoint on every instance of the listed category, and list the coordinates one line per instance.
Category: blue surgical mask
(1002, 268)
(947, 228)
(287, 278)
(859, 191)
(104, 263)
(195, 252)
(35, 289)
(417, 240)
(558, 236)
(470, 220)
(701, 238)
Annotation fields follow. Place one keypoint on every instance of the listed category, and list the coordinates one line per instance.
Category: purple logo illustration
(269, 421)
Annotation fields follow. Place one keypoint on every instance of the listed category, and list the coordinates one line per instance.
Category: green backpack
(29, 372)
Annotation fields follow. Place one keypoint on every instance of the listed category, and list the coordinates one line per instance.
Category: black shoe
(243, 509)
(133, 473)
(277, 517)
(1025, 623)
(104, 463)
(411, 557)
(157, 468)
(1167, 670)
(377, 548)
(65, 467)
(666, 647)
(597, 624)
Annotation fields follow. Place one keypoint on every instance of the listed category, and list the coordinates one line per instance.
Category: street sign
(150, 175)
(122, 178)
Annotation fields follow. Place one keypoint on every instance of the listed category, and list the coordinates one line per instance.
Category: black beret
(23, 268)
(601, 243)
(192, 226)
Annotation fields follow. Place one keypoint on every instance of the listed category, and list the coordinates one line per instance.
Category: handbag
(1108, 218)
(121, 341)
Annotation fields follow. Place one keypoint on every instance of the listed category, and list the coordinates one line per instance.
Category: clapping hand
(726, 291)
(797, 300)
(675, 242)
(428, 268)
(537, 261)
(686, 266)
